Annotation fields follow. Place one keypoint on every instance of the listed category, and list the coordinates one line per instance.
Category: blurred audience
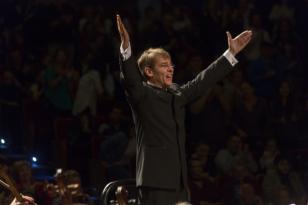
(235, 152)
(88, 95)
(59, 84)
(270, 153)
(283, 177)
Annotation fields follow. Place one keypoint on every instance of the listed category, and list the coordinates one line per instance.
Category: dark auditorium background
(64, 116)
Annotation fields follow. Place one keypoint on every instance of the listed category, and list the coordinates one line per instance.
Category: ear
(148, 72)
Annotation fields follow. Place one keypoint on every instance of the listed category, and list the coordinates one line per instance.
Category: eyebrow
(167, 64)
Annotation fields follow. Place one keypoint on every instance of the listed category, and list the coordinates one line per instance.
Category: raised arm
(218, 69)
(131, 77)
(123, 33)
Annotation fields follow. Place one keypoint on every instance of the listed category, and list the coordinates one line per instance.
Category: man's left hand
(239, 42)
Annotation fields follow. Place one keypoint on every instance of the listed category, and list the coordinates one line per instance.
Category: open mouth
(169, 77)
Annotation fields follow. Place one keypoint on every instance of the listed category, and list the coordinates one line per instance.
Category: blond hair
(148, 57)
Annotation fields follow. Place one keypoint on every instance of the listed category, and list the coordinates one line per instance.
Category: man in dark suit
(158, 107)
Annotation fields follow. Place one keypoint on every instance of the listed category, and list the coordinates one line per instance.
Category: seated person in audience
(282, 196)
(285, 110)
(201, 153)
(230, 183)
(114, 141)
(129, 155)
(248, 196)
(283, 177)
(72, 182)
(66, 190)
(22, 173)
(250, 118)
(114, 136)
(270, 153)
(202, 186)
(234, 152)
(88, 93)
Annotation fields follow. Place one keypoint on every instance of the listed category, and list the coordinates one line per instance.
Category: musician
(158, 111)
(27, 201)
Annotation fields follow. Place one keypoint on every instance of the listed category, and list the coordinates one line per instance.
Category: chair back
(109, 196)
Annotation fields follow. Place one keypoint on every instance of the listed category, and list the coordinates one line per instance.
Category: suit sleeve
(131, 79)
(206, 78)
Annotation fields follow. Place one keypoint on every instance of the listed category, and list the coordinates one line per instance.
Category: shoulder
(175, 89)
(175, 86)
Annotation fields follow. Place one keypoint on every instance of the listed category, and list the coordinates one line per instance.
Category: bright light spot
(2, 141)
(34, 159)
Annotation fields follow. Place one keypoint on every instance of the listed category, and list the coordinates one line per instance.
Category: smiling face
(156, 66)
(161, 74)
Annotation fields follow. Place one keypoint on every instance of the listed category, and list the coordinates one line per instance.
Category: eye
(167, 66)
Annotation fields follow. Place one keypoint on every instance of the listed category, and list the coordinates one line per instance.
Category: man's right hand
(123, 33)
(27, 200)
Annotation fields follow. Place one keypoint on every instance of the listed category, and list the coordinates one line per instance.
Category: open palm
(239, 42)
(123, 33)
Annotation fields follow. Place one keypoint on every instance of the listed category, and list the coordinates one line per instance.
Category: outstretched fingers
(229, 35)
(123, 32)
(120, 25)
(239, 42)
(244, 36)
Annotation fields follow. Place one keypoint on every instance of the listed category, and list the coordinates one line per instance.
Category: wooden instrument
(9, 185)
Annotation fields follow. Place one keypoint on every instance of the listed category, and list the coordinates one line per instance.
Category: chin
(168, 84)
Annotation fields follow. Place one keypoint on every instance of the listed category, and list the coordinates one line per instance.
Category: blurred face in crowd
(247, 89)
(8, 78)
(24, 173)
(16, 57)
(61, 57)
(247, 193)
(116, 115)
(256, 20)
(239, 171)
(283, 197)
(283, 166)
(195, 64)
(4, 167)
(196, 169)
(201, 153)
(271, 146)
(284, 89)
(234, 144)
(161, 74)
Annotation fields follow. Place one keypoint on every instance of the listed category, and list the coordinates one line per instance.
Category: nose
(170, 68)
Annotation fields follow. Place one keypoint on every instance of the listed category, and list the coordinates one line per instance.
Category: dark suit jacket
(159, 120)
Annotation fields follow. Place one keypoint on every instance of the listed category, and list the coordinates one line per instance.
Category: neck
(155, 85)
